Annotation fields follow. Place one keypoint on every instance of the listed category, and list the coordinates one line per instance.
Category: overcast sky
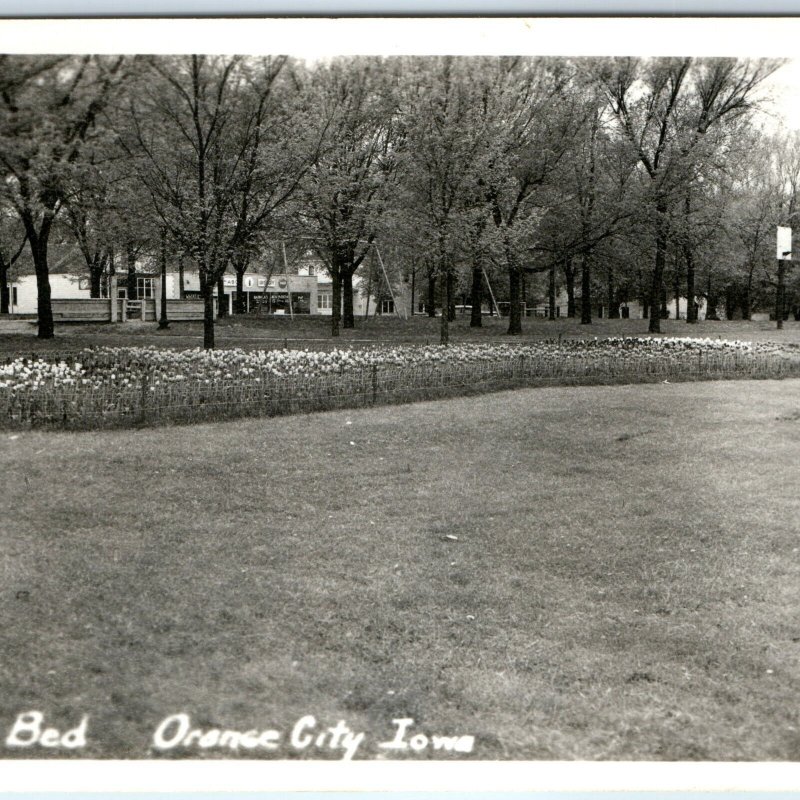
(785, 84)
(737, 37)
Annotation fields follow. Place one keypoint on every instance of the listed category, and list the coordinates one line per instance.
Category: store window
(324, 300)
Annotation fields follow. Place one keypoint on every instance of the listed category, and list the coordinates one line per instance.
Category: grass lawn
(576, 573)
(19, 336)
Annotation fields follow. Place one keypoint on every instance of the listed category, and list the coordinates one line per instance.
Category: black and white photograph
(382, 405)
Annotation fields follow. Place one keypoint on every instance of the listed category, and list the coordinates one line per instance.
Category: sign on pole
(784, 244)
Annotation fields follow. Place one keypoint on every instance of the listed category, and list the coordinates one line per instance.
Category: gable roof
(62, 258)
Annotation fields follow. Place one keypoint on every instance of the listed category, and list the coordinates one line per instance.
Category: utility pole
(163, 322)
(784, 254)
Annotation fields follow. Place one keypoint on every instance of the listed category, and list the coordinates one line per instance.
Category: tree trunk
(431, 296)
(611, 296)
(336, 298)
(239, 304)
(657, 286)
(38, 244)
(514, 291)
(444, 330)
(111, 270)
(451, 296)
(44, 306)
(476, 318)
(514, 296)
(413, 291)
(369, 294)
(551, 293)
(730, 301)
(5, 292)
(586, 289)
(746, 296)
(780, 294)
(569, 277)
(130, 263)
(96, 269)
(181, 280)
(348, 318)
(163, 322)
(677, 290)
(711, 302)
(207, 290)
(222, 306)
(691, 291)
(688, 257)
(641, 293)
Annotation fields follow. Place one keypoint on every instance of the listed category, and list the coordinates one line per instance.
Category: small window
(144, 288)
(324, 300)
(387, 306)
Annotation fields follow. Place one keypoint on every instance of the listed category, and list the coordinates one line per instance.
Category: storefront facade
(276, 294)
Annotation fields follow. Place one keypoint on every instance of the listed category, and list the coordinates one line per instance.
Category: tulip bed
(102, 386)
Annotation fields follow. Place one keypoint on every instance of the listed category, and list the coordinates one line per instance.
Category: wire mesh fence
(148, 402)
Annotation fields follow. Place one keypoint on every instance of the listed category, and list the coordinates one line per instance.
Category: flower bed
(117, 384)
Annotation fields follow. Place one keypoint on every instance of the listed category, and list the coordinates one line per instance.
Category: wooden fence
(121, 310)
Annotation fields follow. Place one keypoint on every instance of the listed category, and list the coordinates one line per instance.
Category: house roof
(61, 259)
(65, 258)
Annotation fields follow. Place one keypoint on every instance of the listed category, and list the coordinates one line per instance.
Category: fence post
(374, 383)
